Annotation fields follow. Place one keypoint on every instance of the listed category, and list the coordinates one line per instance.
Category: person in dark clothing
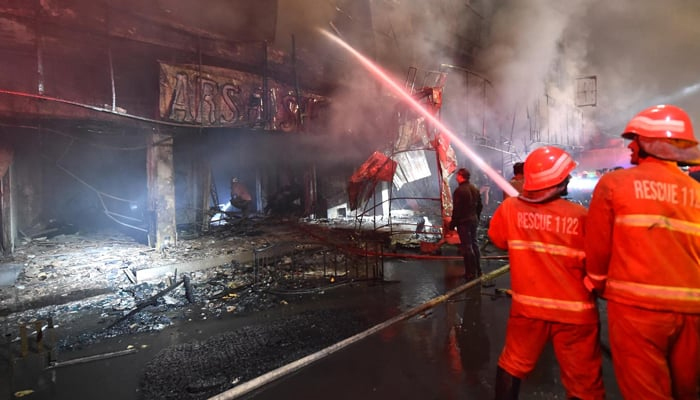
(240, 197)
(518, 178)
(466, 212)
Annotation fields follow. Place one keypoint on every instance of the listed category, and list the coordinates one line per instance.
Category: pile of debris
(106, 285)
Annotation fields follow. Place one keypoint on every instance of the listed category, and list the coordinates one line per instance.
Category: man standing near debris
(544, 236)
(518, 178)
(643, 255)
(240, 197)
(466, 212)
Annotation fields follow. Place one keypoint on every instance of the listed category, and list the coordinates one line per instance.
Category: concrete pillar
(206, 195)
(162, 229)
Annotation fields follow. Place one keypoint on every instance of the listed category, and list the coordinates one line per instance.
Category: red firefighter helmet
(665, 131)
(661, 122)
(546, 167)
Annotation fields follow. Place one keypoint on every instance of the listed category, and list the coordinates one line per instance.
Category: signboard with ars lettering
(213, 97)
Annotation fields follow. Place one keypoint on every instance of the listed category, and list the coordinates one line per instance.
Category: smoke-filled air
(533, 55)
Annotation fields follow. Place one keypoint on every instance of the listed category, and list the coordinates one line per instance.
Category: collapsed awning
(378, 167)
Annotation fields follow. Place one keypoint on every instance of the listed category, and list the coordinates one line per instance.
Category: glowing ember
(377, 71)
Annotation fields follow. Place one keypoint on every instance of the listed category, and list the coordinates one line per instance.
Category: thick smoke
(532, 56)
(644, 53)
(524, 45)
(397, 34)
(302, 18)
(522, 48)
(641, 52)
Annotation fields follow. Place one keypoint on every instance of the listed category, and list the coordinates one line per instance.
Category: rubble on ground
(87, 283)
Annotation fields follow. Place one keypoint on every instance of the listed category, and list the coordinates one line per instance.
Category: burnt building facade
(135, 115)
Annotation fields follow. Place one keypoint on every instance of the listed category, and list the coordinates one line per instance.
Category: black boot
(507, 386)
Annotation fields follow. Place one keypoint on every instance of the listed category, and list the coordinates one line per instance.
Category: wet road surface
(447, 352)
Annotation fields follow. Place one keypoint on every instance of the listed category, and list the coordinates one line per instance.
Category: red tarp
(448, 165)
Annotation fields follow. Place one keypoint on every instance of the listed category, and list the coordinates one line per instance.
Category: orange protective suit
(550, 301)
(643, 254)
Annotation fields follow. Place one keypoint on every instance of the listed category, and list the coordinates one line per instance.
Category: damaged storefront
(123, 127)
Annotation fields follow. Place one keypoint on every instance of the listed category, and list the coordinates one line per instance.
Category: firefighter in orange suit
(544, 236)
(643, 255)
